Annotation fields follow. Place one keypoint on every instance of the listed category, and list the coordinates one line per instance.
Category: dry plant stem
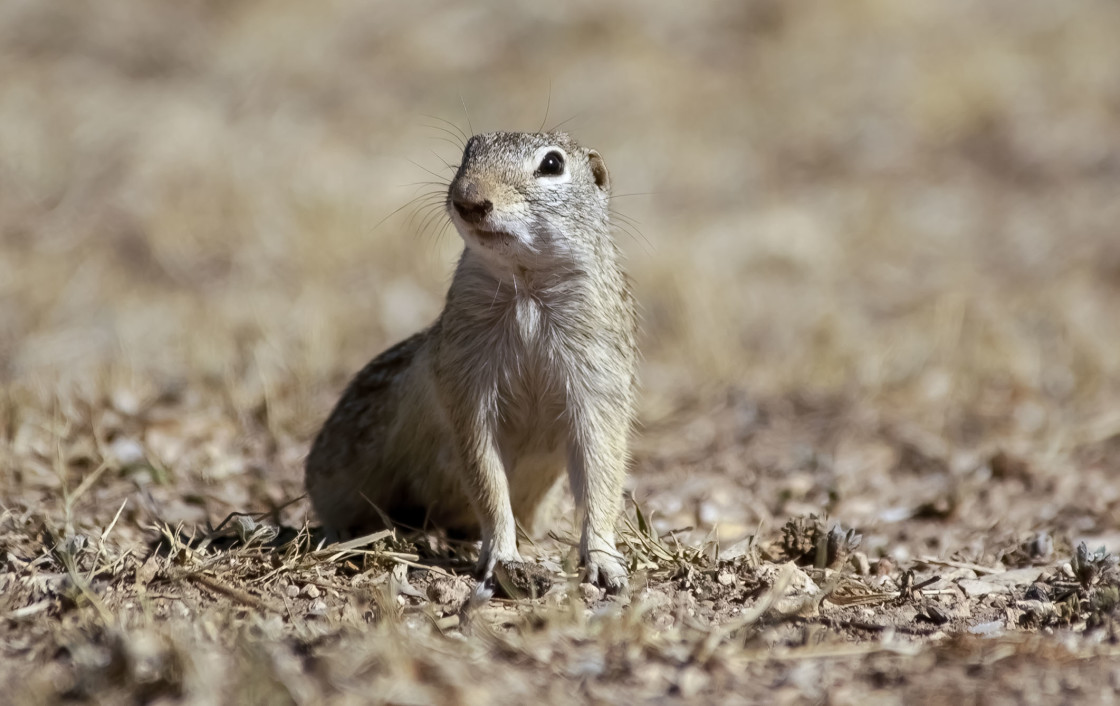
(233, 592)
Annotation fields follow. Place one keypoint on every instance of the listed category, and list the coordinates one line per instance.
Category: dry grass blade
(220, 587)
(352, 544)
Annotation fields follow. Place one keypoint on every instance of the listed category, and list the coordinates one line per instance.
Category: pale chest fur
(534, 367)
(525, 350)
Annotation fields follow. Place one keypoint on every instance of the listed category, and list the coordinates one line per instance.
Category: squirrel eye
(551, 165)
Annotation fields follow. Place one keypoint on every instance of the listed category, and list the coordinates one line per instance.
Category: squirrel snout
(473, 211)
(470, 205)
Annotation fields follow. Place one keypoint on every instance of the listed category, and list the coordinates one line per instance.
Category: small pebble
(590, 593)
(128, 452)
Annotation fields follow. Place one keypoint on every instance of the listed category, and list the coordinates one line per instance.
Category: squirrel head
(519, 197)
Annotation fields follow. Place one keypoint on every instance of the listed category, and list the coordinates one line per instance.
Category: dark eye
(551, 165)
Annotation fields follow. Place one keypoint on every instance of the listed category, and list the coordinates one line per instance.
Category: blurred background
(910, 203)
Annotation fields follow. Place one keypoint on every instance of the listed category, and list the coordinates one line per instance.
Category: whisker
(458, 147)
(547, 106)
(466, 113)
(423, 211)
(630, 227)
(441, 184)
(422, 167)
(432, 215)
(562, 123)
(458, 131)
(402, 207)
(454, 138)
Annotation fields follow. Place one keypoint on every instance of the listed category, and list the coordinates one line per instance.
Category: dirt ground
(877, 252)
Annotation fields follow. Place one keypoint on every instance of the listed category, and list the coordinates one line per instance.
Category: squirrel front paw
(605, 568)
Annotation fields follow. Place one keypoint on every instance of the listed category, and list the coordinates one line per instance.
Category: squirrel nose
(470, 206)
(473, 211)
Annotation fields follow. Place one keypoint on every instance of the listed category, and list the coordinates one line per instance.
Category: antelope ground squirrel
(530, 367)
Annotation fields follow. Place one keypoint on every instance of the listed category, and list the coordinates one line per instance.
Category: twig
(234, 593)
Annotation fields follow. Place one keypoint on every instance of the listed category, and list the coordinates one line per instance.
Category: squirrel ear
(599, 170)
